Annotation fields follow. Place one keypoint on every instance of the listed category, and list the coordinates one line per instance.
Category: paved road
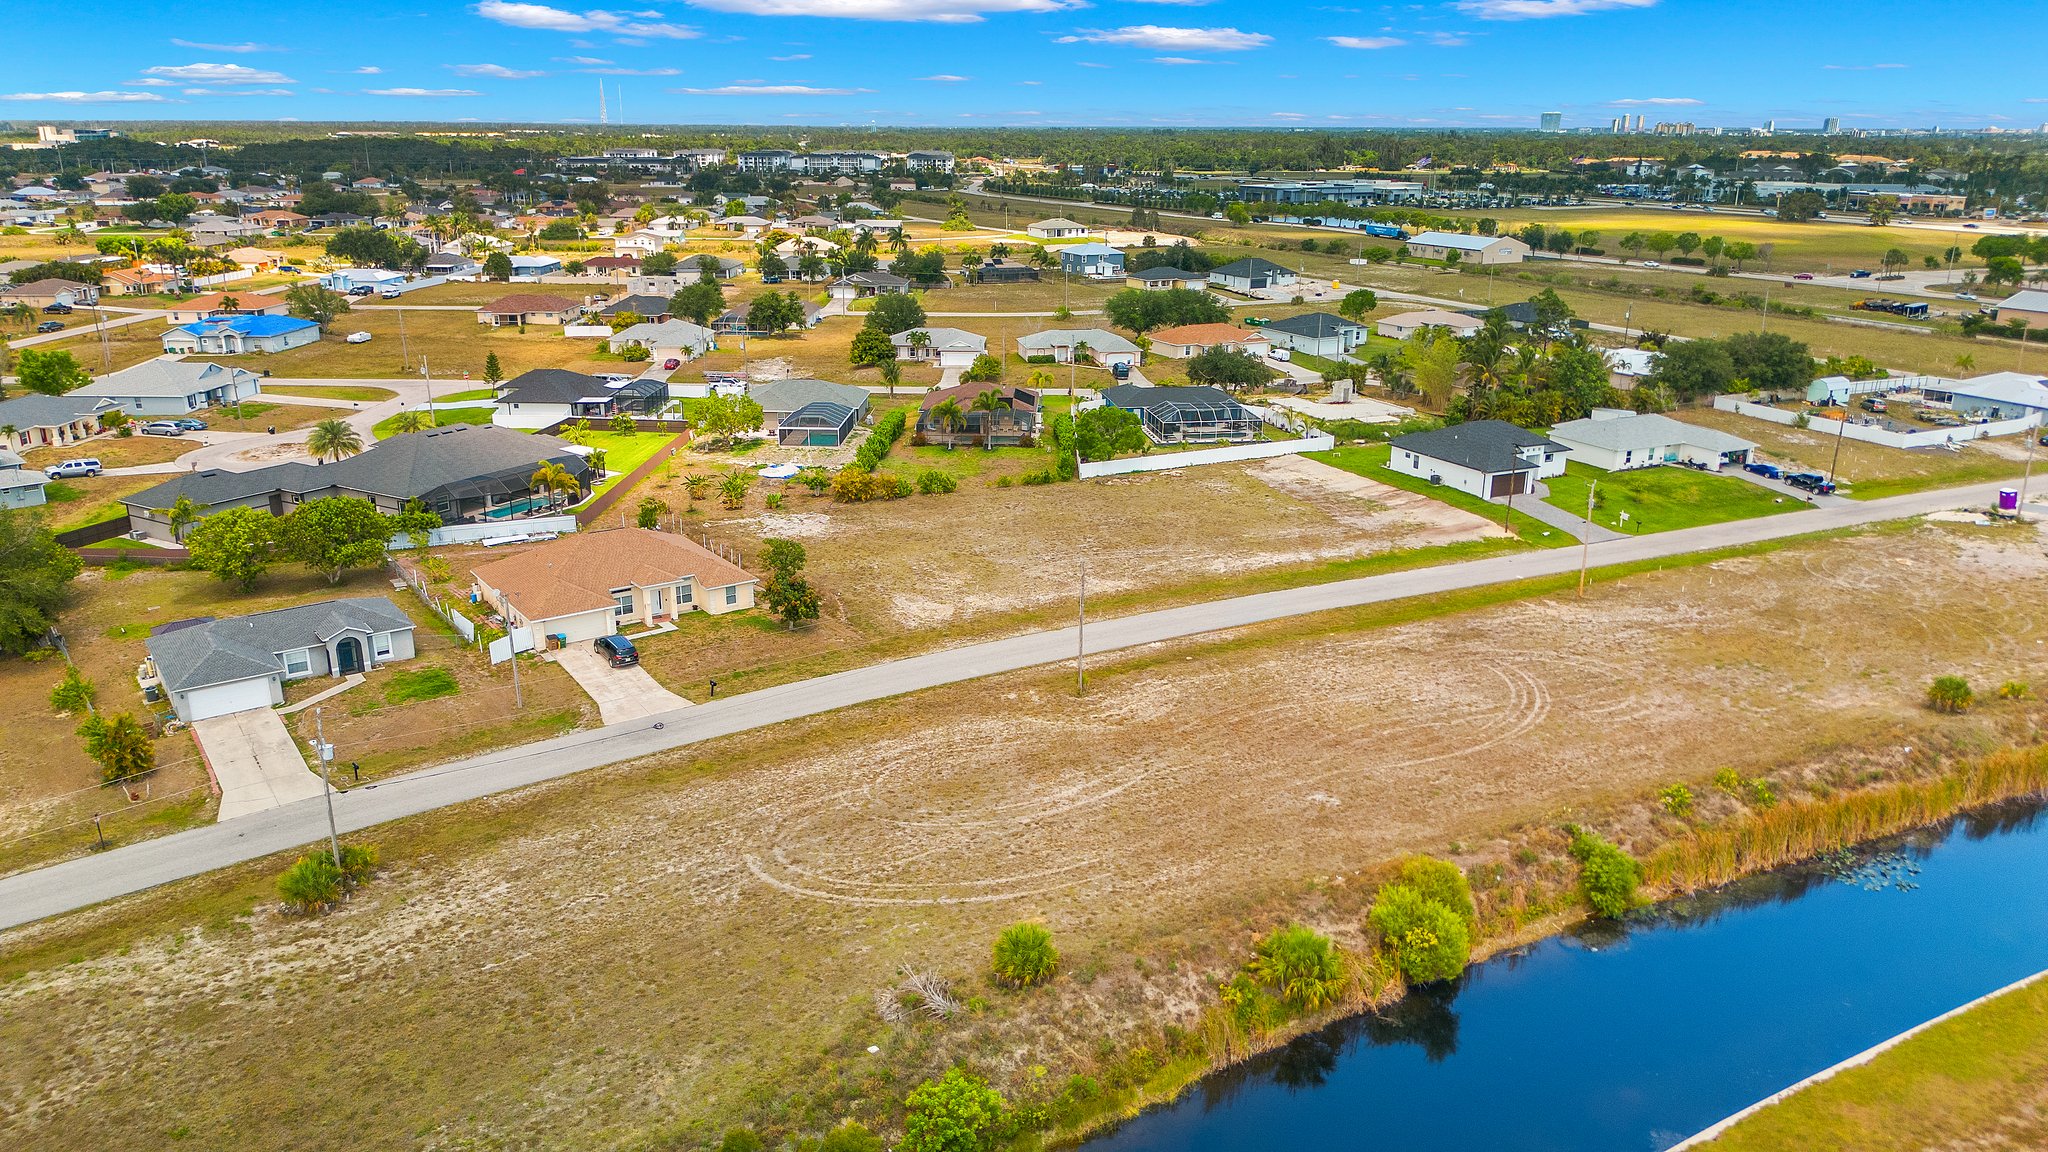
(88, 880)
(88, 330)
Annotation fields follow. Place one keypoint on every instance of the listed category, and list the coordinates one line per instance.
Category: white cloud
(1656, 102)
(1859, 67)
(1366, 42)
(366, 70)
(494, 71)
(1179, 60)
(790, 59)
(773, 90)
(1030, 83)
(631, 71)
(238, 92)
(434, 92)
(543, 18)
(87, 97)
(1088, 64)
(150, 82)
(945, 78)
(584, 60)
(1543, 9)
(930, 11)
(226, 47)
(1182, 39)
(1287, 115)
(217, 74)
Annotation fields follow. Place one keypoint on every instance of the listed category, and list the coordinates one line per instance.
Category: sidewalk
(1532, 505)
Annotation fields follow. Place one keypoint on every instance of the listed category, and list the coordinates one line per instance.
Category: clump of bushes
(1676, 800)
(1608, 876)
(856, 485)
(74, 693)
(314, 883)
(868, 456)
(1024, 955)
(2013, 690)
(1300, 966)
(1426, 917)
(1950, 694)
(958, 1112)
(932, 482)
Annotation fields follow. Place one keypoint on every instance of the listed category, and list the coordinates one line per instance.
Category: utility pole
(1080, 636)
(1841, 430)
(2019, 512)
(326, 754)
(433, 416)
(1586, 540)
(404, 350)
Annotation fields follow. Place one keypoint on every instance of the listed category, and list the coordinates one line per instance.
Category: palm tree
(1966, 363)
(552, 479)
(989, 401)
(411, 420)
(182, 514)
(597, 462)
(951, 417)
(332, 439)
(919, 340)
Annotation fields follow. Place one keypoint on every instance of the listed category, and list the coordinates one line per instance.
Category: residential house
(861, 285)
(532, 267)
(216, 667)
(1470, 249)
(1405, 324)
(164, 387)
(2029, 306)
(1103, 347)
(1014, 424)
(137, 281)
(1626, 366)
(216, 303)
(1097, 261)
(1316, 333)
(1189, 340)
(1617, 440)
(453, 265)
(528, 308)
(239, 334)
(928, 161)
(254, 259)
(368, 184)
(38, 420)
(1997, 396)
(1161, 279)
(1485, 458)
(45, 292)
(1057, 228)
(589, 584)
(279, 220)
(348, 280)
(1251, 274)
(622, 265)
(1186, 414)
(645, 305)
(20, 485)
(819, 424)
(337, 220)
(947, 347)
(1002, 272)
(780, 399)
(463, 472)
(545, 397)
(666, 338)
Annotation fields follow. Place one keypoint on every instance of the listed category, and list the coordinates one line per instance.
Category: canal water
(1632, 1037)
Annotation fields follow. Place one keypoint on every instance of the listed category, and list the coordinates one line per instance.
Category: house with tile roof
(528, 308)
(1188, 340)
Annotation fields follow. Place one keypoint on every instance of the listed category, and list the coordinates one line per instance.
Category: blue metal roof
(247, 325)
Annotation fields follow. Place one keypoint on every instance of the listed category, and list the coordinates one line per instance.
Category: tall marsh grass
(1792, 832)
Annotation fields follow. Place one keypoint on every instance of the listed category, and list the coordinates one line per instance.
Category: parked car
(1279, 354)
(1767, 471)
(1652, 264)
(162, 428)
(191, 425)
(1966, 295)
(1120, 371)
(287, 268)
(1873, 404)
(362, 290)
(390, 293)
(671, 364)
(357, 338)
(1802, 275)
(617, 651)
(50, 326)
(58, 309)
(90, 466)
(1812, 482)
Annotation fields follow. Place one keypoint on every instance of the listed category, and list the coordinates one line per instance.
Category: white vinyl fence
(1258, 450)
(505, 530)
(1875, 434)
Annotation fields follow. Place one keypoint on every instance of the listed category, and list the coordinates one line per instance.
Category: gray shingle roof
(165, 377)
(1315, 324)
(1133, 397)
(38, 411)
(1646, 431)
(553, 386)
(1097, 339)
(1251, 266)
(244, 647)
(782, 397)
(1481, 445)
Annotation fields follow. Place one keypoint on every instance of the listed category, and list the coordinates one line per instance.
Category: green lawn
(1660, 499)
(470, 394)
(388, 426)
(1370, 461)
(1975, 1081)
(362, 393)
(623, 452)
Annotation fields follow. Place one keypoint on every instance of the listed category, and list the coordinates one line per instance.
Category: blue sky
(1472, 63)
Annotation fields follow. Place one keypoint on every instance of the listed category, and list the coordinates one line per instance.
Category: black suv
(617, 651)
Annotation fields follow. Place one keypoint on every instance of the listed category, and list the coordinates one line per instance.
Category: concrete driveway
(621, 693)
(256, 762)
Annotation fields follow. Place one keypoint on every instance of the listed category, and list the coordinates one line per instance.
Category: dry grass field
(642, 956)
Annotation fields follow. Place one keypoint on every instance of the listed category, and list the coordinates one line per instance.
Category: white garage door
(221, 699)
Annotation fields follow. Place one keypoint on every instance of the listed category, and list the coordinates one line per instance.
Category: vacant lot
(1661, 499)
(453, 343)
(801, 867)
(1867, 471)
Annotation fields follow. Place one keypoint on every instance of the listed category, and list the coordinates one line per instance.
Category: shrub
(635, 354)
(1300, 965)
(1676, 799)
(74, 693)
(740, 1140)
(1430, 940)
(1950, 694)
(1041, 476)
(1024, 955)
(2013, 690)
(850, 1137)
(1443, 882)
(855, 485)
(1728, 780)
(311, 884)
(958, 1112)
(1607, 875)
(119, 744)
(650, 512)
(358, 861)
(869, 456)
(1761, 793)
(932, 482)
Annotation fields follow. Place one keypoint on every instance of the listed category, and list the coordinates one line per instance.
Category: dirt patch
(787, 873)
(1367, 504)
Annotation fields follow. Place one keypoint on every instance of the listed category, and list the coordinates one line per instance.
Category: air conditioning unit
(137, 534)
